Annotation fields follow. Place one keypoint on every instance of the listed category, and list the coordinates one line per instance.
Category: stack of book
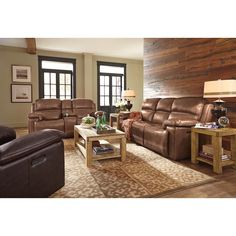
(207, 152)
(103, 149)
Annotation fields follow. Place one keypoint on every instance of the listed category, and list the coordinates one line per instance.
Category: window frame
(105, 63)
(57, 59)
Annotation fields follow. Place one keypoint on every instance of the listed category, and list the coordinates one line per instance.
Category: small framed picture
(21, 74)
(21, 93)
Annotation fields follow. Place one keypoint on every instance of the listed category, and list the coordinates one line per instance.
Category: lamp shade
(220, 88)
(128, 93)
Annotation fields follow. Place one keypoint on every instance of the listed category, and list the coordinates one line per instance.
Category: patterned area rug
(143, 174)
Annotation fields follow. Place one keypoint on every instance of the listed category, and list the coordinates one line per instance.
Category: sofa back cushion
(82, 107)
(187, 108)
(163, 109)
(148, 108)
(48, 109)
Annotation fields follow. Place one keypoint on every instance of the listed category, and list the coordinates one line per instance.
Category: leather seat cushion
(49, 114)
(49, 124)
(138, 130)
(156, 139)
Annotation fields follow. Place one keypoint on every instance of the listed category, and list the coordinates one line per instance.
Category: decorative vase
(88, 121)
(123, 108)
(98, 123)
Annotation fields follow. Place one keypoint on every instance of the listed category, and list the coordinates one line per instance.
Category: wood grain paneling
(179, 67)
(31, 45)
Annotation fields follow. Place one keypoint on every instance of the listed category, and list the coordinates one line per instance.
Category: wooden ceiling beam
(31, 45)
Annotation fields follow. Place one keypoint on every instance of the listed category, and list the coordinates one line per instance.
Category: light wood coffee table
(84, 138)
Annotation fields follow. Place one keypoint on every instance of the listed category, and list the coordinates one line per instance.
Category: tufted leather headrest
(47, 104)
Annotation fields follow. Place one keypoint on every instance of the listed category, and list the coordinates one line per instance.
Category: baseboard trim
(15, 125)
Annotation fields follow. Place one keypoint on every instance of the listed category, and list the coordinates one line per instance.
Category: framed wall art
(21, 74)
(21, 93)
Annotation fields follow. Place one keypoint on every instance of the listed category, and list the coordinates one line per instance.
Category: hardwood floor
(224, 187)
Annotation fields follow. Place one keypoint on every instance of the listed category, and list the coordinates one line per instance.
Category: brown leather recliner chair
(166, 124)
(59, 114)
(32, 165)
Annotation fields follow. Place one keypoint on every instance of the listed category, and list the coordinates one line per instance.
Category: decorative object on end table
(128, 95)
(209, 125)
(219, 88)
(21, 74)
(21, 93)
(120, 106)
(223, 121)
(104, 129)
(88, 121)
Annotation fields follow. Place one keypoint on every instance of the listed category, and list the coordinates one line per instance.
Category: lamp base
(218, 113)
(128, 105)
(219, 110)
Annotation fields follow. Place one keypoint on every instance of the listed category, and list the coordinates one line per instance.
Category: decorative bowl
(88, 121)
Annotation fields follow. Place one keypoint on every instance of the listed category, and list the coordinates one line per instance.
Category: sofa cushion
(187, 108)
(47, 104)
(82, 103)
(82, 107)
(138, 130)
(49, 124)
(148, 108)
(179, 123)
(49, 114)
(156, 139)
(165, 104)
(48, 109)
(163, 110)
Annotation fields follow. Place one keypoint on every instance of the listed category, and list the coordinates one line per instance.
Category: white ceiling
(131, 48)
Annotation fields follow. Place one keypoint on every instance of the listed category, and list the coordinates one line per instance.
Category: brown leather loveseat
(166, 124)
(59, 114)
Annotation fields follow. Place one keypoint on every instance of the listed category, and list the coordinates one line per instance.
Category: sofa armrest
(28, 144)
(135, 115)
(179, 123)
(35, 116)
(6, 134)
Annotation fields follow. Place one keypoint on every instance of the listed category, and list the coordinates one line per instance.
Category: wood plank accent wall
(179, 67)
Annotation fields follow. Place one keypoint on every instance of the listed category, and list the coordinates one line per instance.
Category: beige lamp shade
(128, 94)
(220, 88)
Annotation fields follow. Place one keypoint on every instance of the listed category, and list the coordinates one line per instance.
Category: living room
(170, 139)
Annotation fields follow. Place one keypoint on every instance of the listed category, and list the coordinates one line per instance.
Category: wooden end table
(83, 139)
(216, 136)
(117, 117)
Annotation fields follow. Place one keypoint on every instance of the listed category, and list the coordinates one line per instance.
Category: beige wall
(15, 114)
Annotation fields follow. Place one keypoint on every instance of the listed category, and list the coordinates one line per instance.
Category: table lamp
(219, 89)
(128, 95)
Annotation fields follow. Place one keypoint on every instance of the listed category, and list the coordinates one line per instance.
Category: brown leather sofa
(59, 114)
(166, 124)
(32, 165)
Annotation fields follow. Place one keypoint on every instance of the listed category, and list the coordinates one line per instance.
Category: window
(57, 77)
(111, 82)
